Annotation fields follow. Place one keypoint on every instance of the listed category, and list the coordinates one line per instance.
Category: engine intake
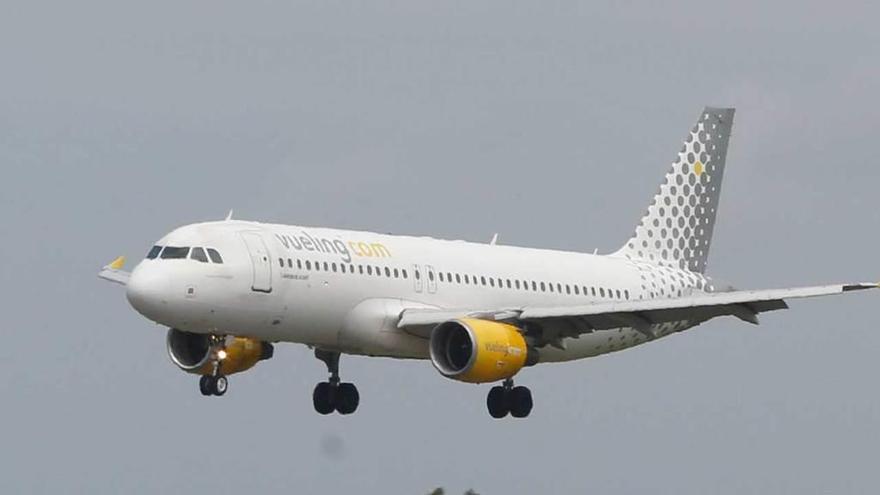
(195, 353)
(478, 351)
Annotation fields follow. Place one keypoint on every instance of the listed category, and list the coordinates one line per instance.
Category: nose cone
(147, 291)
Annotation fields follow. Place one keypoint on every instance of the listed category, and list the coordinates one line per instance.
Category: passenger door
(259, 254)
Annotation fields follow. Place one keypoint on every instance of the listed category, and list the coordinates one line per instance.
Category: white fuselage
(342, 290)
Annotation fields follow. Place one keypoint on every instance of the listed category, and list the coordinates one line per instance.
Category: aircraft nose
(146, 291)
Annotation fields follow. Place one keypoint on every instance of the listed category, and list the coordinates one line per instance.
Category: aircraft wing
(114, 272)
(569, 321)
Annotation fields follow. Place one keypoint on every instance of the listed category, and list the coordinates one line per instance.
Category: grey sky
(549, 122)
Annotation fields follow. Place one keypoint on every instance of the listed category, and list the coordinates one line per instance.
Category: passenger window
(577, 290)
(308, 265)
(281, 262)
(342, 267)
(602, 292)
(317, 266)
(618, 294)
(430, 275)
(361, 269)
(567, 289)
(154, 252)
(378, 272)
(593, 291)
(369, 270)
(396, 273)
(492, 281)
(299, 264)
(174, 253)
(626, 294)
(440, 274)
(198, 254)
(326, 267)
(517, 284)
(417, 275)
(403, 272)
(508, 284)
(483, 280)
(333, 266)
(543, 287)
(558, 287)
(387, 272)
(449, 277)
(457, 278)
(289, 263)
(534, 286)
(551, 286)
(467, 280)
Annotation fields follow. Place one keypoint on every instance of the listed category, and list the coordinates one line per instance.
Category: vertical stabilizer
(677, 229)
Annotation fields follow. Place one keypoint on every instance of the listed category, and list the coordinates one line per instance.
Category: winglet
(114, 272)
(117, 264)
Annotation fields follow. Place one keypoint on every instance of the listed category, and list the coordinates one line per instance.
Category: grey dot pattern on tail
(676, 231)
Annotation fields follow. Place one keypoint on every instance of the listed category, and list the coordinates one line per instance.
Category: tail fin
(677, 228)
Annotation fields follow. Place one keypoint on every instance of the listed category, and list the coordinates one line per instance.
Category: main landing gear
(333, 395)
(506, 399)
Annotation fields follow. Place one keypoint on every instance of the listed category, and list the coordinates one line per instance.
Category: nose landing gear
(504, 399)
(333, 395)
(215, 384)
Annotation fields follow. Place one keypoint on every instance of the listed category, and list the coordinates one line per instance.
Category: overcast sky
(551, 123)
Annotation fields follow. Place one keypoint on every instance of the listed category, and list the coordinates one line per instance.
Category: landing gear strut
(215, 383)
(333, 395)
(504, 399)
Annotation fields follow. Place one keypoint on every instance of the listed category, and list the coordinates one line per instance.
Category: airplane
(229, 290)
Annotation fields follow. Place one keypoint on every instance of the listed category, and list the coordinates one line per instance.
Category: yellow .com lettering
(365, 250)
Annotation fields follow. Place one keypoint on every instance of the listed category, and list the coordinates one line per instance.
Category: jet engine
(478, 351)
(196, 353)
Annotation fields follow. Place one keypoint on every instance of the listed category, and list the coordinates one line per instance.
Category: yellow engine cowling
(195, 353)
(478, 351)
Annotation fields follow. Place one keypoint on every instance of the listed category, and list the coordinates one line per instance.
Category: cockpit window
(198, 254)
(154, 252)
(215, 256)
(174, 253)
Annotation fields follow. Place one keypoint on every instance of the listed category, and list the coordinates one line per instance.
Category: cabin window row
(328, 266)
(532, 285)
(458, 278)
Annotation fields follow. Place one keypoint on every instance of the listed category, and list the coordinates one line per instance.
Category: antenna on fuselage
(229, 216)
(494, 239)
